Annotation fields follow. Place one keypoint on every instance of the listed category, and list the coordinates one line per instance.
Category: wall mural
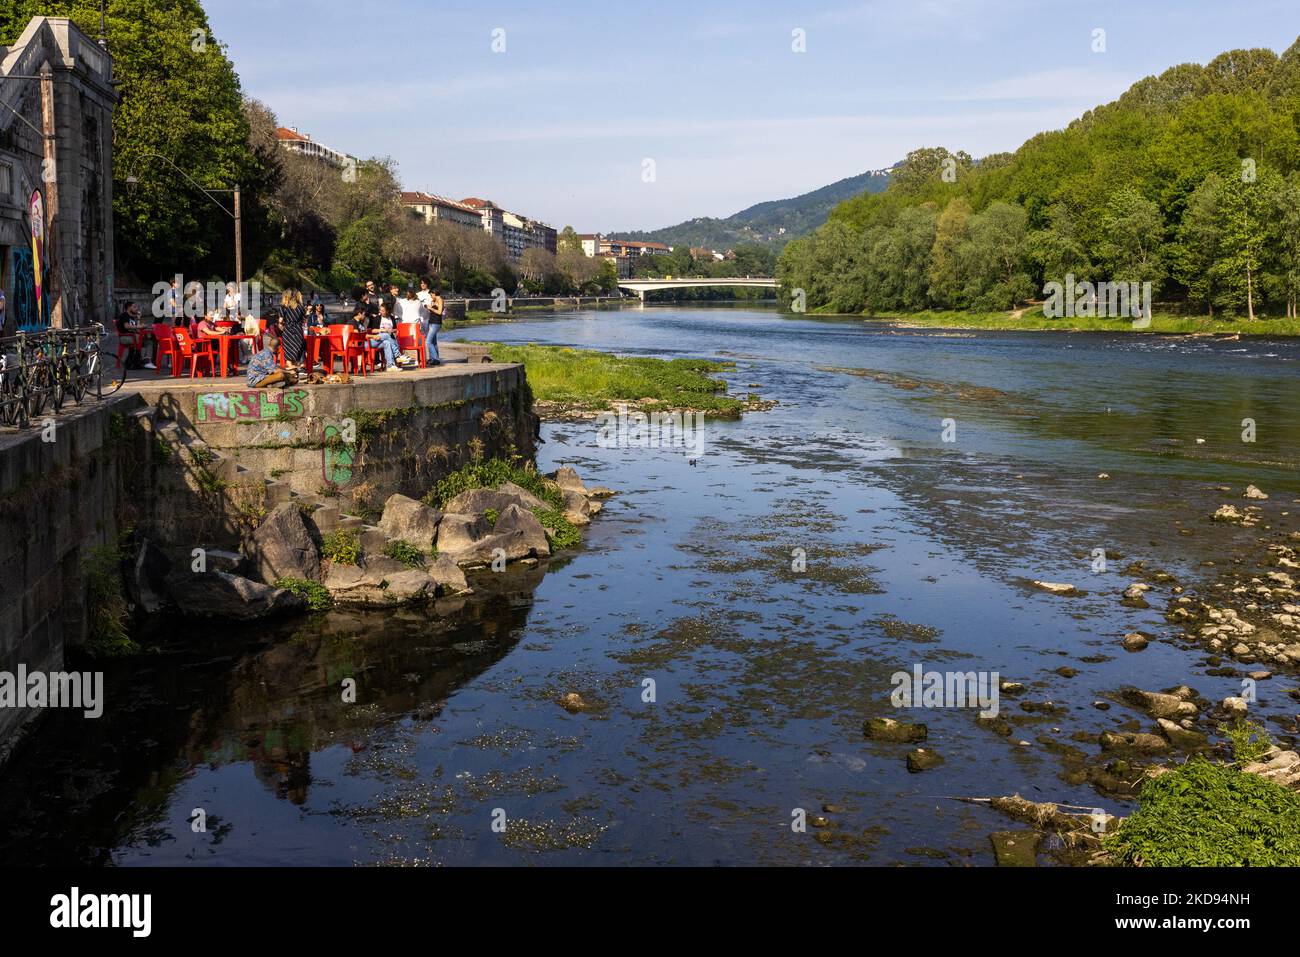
(22, 305)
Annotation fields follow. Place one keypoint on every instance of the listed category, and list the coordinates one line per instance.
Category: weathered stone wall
(59, 500)
(189, 465)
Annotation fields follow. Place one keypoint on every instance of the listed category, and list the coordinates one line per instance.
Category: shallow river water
(917, 550)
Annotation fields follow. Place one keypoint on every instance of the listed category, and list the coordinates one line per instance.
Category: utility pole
(239, 247)
(49, 175)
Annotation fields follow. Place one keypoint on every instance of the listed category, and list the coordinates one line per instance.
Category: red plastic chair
(126, 341)
(196, 351)
(164, 334)
(357, 356)
(408, 337)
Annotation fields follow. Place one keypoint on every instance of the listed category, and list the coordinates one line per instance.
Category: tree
(1284, 239)
(179, 98)
(568, 239)
(1244, 212)
(945, 264)
(1200, 242)
(1134, 235)
(994, 260)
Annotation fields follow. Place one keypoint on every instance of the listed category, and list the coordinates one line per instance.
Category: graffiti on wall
(23, 307)
(256, 405)
(337, 453)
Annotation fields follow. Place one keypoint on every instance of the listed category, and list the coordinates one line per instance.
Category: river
(917, 550)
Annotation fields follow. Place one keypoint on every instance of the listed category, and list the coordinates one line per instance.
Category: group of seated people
(283, 332)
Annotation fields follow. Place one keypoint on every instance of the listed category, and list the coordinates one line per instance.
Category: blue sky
(558, 126)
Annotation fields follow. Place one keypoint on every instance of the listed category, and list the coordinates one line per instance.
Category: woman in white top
(230, 307)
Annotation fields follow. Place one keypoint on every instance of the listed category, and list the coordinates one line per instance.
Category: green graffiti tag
(337, 456)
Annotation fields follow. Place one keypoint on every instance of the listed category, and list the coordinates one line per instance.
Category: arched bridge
(643, 286)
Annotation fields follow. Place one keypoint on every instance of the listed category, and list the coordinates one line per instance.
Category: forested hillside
(1190, 180)
(771, 223)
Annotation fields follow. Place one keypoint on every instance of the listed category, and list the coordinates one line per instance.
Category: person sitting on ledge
(263, 369)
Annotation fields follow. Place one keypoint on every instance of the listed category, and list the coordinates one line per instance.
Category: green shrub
(107, 607)
(341, 547)
(491, 515)
(561, 532)
(1204, 814)
(1250, 740)
(317, 595)
(406, 553)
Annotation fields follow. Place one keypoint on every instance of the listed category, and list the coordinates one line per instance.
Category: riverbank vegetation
(1189, 181)
(1166, 321)
(493, 473)
(584, 379)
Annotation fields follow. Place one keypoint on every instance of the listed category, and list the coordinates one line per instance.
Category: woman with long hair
(294, 321)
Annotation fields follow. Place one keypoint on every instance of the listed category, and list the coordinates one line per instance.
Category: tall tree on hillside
(568, 239)
(1058, 249)
(1133, 237)
(945, 260)
(1284, 238)
(995, 258)
(1245, 231)
(1200, 242)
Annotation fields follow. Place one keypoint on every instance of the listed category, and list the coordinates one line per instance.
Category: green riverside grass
(600, 380)
(317, 595)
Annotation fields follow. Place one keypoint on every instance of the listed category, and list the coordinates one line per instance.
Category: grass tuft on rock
(403, 551)
(317, 595)
(342, 547)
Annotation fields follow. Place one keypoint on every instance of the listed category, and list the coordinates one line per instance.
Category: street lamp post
(236, 214)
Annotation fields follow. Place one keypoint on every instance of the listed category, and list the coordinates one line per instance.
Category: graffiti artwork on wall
(257, 405)
(23, 305)
(36, 213)
(337, 455)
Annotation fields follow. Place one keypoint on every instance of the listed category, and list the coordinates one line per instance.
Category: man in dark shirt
(129, 326)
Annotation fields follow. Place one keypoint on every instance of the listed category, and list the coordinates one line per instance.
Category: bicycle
(100, 371)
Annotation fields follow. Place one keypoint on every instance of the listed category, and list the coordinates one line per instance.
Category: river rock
(520, 533)
(1253, 492)
(282, 547)
(447, 576)
(567, 479)
(919, 759)
(576, 508)
(1280, 767)
(1015, 848)
(1227, 513)
(1234, 706)
(411, 521)
(1056, 588)
(379, 583)
(1159, 704)
(899, 732)
(1182, 738)
(1134, 641)
(223, 595)
(1141, 741)
(457, 534)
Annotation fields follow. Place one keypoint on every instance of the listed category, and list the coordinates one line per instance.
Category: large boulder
(458, 534)
(567, 479)
(576, 508)
(520, 533)
(223, 595)
(380, 582)
(478, 500)
(411, 521)
(447, 576)
(282, 547)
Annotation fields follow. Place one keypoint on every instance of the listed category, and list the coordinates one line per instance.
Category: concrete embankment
(171, 466)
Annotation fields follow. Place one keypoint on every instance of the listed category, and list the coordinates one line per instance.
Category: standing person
(409, 308)
(293, 327)
(230, 306)
(435, 308)
(391, 297)
(172, 303)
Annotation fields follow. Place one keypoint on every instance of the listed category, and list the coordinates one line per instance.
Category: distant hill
(772, 223)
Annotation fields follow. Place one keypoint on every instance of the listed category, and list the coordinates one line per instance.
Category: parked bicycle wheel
(106, 370)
